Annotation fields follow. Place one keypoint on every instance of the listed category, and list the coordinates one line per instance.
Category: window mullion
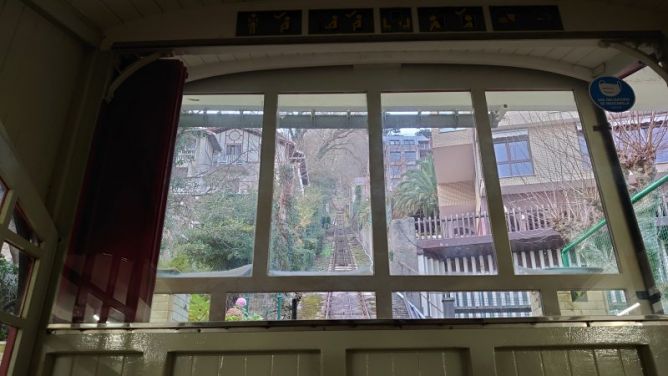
(497, 219)
(381, 259)
(265, 187)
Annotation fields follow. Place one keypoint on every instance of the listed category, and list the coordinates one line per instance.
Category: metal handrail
(635, 198)
(412, 309)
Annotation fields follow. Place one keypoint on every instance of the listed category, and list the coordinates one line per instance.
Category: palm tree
(416, 194)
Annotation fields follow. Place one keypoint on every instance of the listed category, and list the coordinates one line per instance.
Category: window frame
(506, 140)
(442, 78)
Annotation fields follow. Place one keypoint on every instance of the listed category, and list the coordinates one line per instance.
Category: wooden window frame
(471, 79)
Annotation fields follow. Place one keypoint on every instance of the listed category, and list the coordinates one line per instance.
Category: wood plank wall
(39, 67)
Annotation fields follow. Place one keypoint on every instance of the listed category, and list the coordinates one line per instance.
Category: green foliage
(424, 132)
(199, 307)
(298, 233)
(311, 306)
(8, 290)
(416, 194)
(223, 238)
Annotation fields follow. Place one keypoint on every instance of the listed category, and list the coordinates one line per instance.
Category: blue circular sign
(612, 94)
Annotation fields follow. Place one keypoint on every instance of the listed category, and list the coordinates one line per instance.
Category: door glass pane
(641, 141)
(15, 271)
(438, 222)
(211, 208)
(465, 304)
(321, 216)
(550, 197)
(19, 225)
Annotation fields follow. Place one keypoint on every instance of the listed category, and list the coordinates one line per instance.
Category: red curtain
(110, 270)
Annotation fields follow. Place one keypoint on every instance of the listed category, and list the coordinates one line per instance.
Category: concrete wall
(39, 70)
(170, 308)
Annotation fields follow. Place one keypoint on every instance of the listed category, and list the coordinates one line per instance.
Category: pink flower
(241, 302)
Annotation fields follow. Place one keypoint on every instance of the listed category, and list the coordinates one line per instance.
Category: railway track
(344, 305)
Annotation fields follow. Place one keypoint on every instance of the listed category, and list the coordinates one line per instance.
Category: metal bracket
(129, 71)
(655, 61)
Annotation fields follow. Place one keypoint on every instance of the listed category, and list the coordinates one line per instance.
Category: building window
(395, 156)
(409, 142)
(395, 172)
(233, 153)
(584, 151)
(410, 156)
(394, 142)
(513, 156)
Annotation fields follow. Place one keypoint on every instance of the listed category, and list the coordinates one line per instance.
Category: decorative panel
(247, 364)
(574, 362)
(96, 365)
(450, 362)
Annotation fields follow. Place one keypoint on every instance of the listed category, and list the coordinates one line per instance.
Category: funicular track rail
(352, 304)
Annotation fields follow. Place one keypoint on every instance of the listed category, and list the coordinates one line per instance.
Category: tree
(426, 132)
(223, 237)
(569, 199)
(639, 138)
(416, 193)
(561, 193)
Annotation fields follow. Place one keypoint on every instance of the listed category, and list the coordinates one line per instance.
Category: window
(409, 142)
(316, 242)
(513, 157)
(639, 135)
(211, 207)
(553, 193)
(584, 151)
(435, 226)
(395, 172)
(316, 165)
(233, 153)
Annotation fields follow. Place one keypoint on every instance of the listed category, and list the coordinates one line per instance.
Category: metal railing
(518, 219)
(662, 211)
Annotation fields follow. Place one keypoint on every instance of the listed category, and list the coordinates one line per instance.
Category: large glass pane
(594, 303)
(641, 141)
(211, 208)
(321, 216)
(550, 197)
(332, 305)
(172, 308)
(436, 204)
(465, 304)
(19, 225)
(15, 271)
